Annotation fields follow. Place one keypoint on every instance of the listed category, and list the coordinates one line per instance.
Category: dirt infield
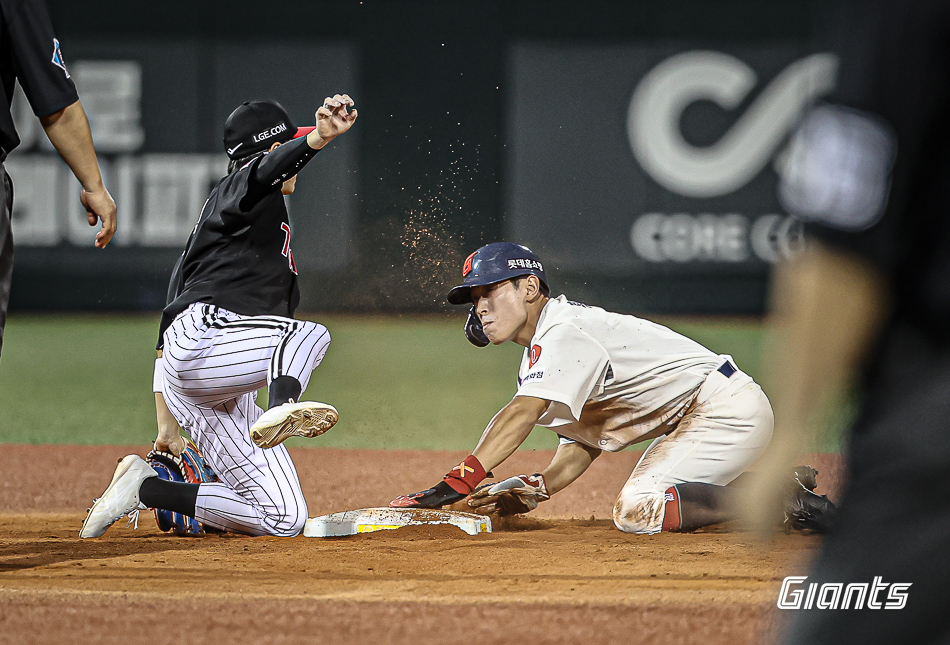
(560, 575)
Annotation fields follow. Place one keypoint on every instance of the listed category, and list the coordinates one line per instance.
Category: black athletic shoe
(806, 476)
(805, 510)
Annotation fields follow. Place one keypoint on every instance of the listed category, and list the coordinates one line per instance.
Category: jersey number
(287, 252)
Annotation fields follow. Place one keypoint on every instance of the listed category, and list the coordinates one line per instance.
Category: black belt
(727, 369)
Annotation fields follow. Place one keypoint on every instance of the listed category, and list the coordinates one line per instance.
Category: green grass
(398, 381)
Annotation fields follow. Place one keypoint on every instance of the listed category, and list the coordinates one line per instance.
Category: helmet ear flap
(473, 330)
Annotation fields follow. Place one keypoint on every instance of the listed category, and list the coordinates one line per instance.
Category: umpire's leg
(6, 245)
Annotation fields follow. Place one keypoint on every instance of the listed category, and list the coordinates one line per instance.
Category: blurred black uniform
(893, 132)
(29, 53)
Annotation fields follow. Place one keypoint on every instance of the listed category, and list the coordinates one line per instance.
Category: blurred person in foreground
(30, 55)
(869, 172)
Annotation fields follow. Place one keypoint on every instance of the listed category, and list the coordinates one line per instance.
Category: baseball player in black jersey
(30, 54)
(228, 330)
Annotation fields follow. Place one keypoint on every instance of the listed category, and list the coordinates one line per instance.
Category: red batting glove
(456, 485)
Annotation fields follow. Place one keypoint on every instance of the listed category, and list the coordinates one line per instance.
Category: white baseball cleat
(303, 419)
(121, 497)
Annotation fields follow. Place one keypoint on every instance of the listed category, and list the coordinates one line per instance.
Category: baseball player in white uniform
(228, 330)
(604, 381)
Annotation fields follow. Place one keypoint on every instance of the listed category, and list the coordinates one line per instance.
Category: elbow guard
(473, 330)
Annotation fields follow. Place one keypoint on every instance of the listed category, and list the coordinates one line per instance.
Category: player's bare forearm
(570, 462)
(523, 493)
(169, 434)
(508, 429)
(828, 308)
(68, 131)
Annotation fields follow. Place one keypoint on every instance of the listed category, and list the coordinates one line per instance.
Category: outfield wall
(634, 146)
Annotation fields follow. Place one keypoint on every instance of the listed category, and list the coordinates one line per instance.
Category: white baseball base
(367, 520)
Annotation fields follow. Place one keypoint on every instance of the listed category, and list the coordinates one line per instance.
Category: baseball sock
(178, 497)
(281, 390)
(693, 505)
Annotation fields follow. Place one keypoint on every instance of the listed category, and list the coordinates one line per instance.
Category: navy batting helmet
(493, 263)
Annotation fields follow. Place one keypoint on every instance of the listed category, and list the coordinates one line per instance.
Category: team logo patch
(58, 57)
(524, 263)
(534, 356)
(467, 267)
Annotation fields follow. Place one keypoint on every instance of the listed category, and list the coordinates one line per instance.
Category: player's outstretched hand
(100, 206)
(436, 497)
(334, 117)
(512, 496)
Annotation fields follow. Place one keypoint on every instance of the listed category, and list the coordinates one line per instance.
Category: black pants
(6, 246)
(894, 519)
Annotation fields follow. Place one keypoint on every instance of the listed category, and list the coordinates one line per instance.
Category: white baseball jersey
(612, 379)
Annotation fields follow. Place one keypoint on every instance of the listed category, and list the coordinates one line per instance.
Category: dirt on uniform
(562, 574)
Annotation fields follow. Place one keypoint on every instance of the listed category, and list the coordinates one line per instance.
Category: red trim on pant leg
(671, 516)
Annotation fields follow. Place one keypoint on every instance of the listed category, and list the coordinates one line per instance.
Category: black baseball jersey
(238, 256)
(30, 53)
(895, 70)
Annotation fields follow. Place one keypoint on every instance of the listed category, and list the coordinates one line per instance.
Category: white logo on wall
(794, 594)
(656, 138)
(158, 195)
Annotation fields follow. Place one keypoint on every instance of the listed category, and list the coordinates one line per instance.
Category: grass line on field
(399, 382)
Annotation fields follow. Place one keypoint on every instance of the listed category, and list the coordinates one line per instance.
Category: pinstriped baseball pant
(213, 363)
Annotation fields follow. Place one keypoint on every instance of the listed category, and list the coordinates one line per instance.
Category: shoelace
(132, 514)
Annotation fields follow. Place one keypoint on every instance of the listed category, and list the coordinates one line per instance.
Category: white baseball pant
(213, 363)
(725, 431)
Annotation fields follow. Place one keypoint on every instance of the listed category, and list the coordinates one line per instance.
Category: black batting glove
(436, 497)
